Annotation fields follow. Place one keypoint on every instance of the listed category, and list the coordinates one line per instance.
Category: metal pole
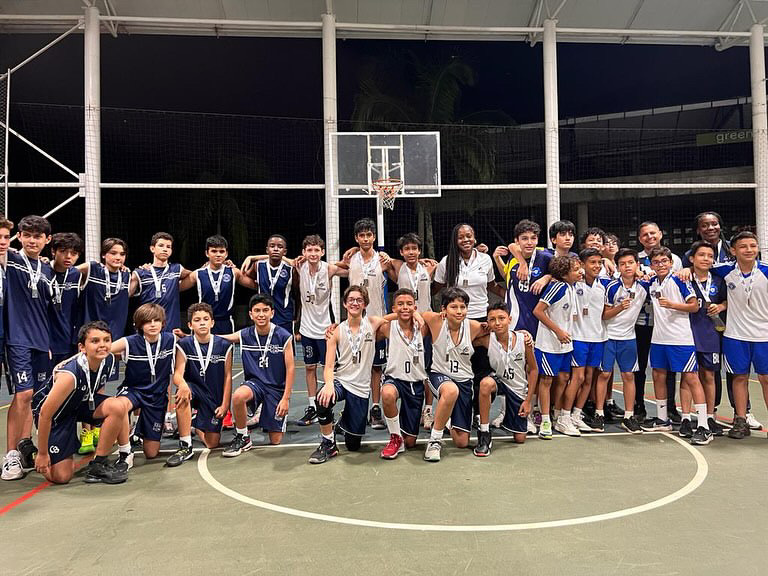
(329, 125)
(7, 143)
(759, 133)
(92, 99)
(551, 134)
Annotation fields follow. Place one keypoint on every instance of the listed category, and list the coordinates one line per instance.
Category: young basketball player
(267, 351)
(275, 276)
(66, 248)
(76, 393)
(203, 379)
(28, 295)
(514, 376)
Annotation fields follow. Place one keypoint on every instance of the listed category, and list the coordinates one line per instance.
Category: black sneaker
(100, 470)
(715, 427)
(631, 425)
(614, 410)
(376, 420)
(640, 412)
(674, 415)
(28, 452)
(686, 429)
(136, 442)
(597, 423)
(324, 452)
(238, 445)
(657, 425)
(740, 428)
(609, 418)
(589, 409)
(484, 443)
(181, 455)
(309, 418)
(702, 436)
(124, 461)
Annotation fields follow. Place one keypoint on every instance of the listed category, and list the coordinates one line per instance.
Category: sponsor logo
(535, 271)
(54, 449)
(42, 376)
(157, 426)
(731, 286)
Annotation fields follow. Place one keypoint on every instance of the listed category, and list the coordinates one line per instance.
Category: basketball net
(387, 189)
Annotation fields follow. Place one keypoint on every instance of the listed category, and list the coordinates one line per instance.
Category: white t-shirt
(474, 276)
(646, 315)
(747, 301)
(671, 327)
(561, 308)
(622, 326)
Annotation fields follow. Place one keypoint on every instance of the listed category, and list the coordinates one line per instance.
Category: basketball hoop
(387, 189)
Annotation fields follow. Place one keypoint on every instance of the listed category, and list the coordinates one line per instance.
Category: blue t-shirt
(26, 306)
(705, 336)
(264, 358)
(520, 299)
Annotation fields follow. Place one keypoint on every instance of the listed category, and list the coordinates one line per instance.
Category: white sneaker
(12, 469)
(578, 421)
(564, 425)
(432, 453)
(428, 419)
(531, 425)
(753, 423)
(496, 422)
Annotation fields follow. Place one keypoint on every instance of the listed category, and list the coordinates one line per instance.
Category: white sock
(328, 436)
(436, 435)
(661, 409)
(484, 427)
(577, 413)
(545, 418)
(376, 404)
(311, 400)
(186, 439)
(702, 411)
(600, 412)
(242, 431)
(393, 425)
(710, 416)
(687, 416)
(124, 448)
(628, 414)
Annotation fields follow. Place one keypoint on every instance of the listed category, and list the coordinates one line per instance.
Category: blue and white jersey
(561, 308)
(149, 365)
(62, 314)
(217, 289)
(590, 299)
(672, 327)
(105, 297)
(520, 299)
(161, 286)
(622, 326)
(646, 315)
(87, 384)
(264, 355)
(28, 295)
(206, 367)
(747, 301)
(709, 291)
(370, 276)
(277, 282)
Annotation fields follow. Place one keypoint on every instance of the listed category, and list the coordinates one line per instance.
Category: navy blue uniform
(277, 282)
(79, 406)
(221, 302)
(28, 296)
(264, 366)
(144, 389)
(65, 289)
(111, 307)
(165, 292)
(205, 378)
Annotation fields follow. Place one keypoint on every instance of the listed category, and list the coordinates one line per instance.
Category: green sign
(730, 137)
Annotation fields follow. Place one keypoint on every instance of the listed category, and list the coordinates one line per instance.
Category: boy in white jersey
(514, 376)
(451, 374)
(672, 344)
(554, 340)
(315, 276)
(624, 299)
(354, 341)
(404, 375)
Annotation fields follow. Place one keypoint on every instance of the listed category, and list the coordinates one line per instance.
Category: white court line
(702, 469)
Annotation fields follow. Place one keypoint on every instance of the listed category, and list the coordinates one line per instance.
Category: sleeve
(686, 289)
(610, 293)
(645, 285)
(440, 272)
(677, 263)
(546, 258)
(722, 270)
(490, 274)
(508, 267)
(554, 292)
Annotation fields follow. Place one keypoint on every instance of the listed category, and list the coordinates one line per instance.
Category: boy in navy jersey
(66, 248)
(216, 283)
(267, 352)
(149, 359)
(203, 379)
(276, 277)
(28, 295)
(75, 394)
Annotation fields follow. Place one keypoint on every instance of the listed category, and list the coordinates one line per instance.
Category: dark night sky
(283, 77)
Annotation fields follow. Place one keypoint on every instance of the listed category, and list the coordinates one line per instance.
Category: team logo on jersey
(227, 277)
(713, 290)
(535, 271)
(517, 357)
(42, 376)
(731, 285)
(103, 381)
(465, 351)
(157, 427)
(284, 274)
(580, 291)
(54, 449)
(566, 306)
(369, 338)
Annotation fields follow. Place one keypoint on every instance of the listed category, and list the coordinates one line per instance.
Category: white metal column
(551, 135)
(92, 134)
(759, 132)
(329, 125)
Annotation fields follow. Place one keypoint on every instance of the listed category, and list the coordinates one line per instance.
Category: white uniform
(671, 327)
(588, 325)
(747, 302)
(315, 300)
(369, 276)
(418, 281)
(561, 306)
(405, 358)
(474, 276)
(622, 326)
(509, 365)
(453, 360)
(646, 315)
(355, 357)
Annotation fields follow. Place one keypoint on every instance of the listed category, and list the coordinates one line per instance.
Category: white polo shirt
(474, 276)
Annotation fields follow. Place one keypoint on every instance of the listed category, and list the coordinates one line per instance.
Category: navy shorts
(411, 400)
(205, 404)
(709, 361)
(223, 326)
(63, 442)
(354, 416)
(314, 350)
(380, 356)
(149, 426)
(461, 416)
(28, 367)
(512, 422)
(268, 398)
